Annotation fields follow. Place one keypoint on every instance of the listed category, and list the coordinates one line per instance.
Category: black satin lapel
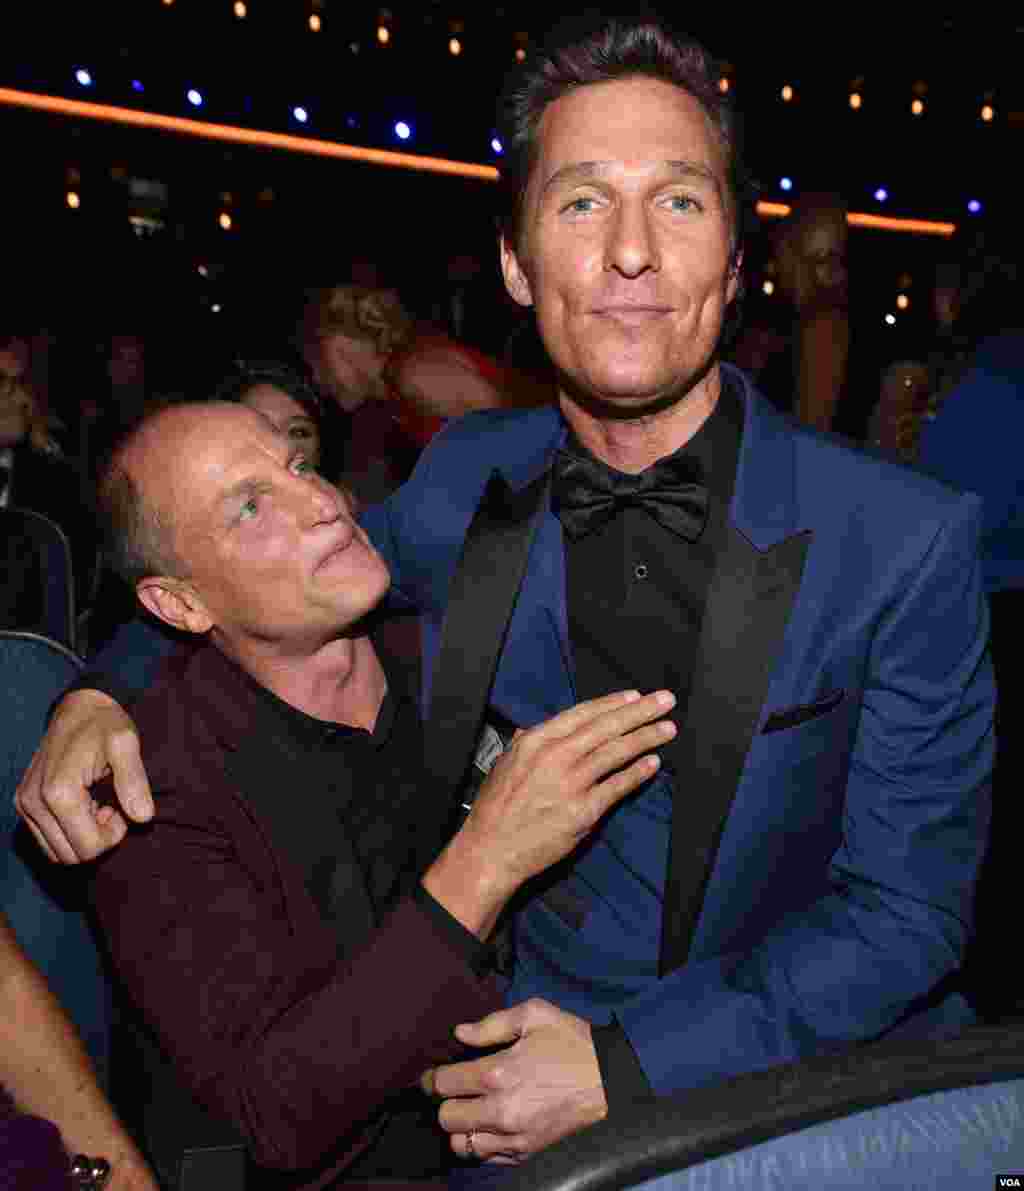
(482, 595)
(749, 604)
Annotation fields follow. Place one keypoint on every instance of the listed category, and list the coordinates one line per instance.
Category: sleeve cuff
(480, 957)
(94, 680)
(623, 1077)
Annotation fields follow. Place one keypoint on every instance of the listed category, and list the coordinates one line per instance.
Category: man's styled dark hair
(594, 48)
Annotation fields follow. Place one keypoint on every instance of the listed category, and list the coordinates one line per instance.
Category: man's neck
(342, 682)
(633, 444)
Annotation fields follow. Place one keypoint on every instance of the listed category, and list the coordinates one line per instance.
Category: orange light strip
(923, 227)
(243, 136)
(776, 210)
(409, 161)
(886, 223)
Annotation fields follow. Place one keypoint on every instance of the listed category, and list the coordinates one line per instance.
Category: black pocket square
(791, 716)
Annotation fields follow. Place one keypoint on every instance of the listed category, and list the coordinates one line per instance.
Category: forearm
(247, 995)
(45, 1067)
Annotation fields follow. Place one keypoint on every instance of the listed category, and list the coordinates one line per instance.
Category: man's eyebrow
(580, 170)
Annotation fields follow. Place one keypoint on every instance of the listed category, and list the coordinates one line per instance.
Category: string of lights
(82, 109)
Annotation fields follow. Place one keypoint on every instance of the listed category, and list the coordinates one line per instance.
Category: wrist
(469, 886)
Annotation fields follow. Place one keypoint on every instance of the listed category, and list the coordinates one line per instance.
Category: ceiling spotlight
(724, 85)
(787, 93)
(520, 54)
(224, 219)
(194, 98)
(902, 301)
(72, 200)
(768, 287)
(881, 195)
(240, 10)
(496, 145)
(402, 130)
(314, 23)
(137, 85)
(383, 34)
(203, 271)
(455, 47)
(855, 100)
(83, 78)
(890, 320)
(785, 183)
(300, 114)
(917, 107)
(988, 113)
(974, 207)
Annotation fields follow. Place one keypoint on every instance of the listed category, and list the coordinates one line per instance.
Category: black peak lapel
(482, 595)
(749, 604)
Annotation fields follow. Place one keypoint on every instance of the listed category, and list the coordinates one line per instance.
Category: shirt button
(640, 571)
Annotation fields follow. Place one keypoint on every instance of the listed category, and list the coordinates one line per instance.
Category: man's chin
(616, 398)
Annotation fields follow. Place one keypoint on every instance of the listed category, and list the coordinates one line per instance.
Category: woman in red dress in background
(399, 381)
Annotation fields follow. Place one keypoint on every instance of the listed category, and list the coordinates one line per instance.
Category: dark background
(300, 221)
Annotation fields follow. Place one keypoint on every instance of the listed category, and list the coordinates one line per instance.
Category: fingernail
(665, 699)
(630, 696)
(667, 728)
(652, 762)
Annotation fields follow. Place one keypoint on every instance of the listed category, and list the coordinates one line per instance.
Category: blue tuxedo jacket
(844, 699)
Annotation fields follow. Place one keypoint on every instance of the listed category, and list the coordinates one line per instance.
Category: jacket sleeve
(916, 815)
(265, 1025)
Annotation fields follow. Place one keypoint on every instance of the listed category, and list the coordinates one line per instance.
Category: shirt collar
(309, 731)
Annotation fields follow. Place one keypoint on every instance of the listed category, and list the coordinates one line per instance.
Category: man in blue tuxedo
(799, 877)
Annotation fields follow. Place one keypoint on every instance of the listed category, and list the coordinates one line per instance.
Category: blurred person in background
(35, 475)
(812, 269)
(398, 380)
(973, 441)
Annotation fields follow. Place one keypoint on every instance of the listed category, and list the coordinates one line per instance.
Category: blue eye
(683, 202)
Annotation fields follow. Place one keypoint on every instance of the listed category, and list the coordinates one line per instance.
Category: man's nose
(632, 246)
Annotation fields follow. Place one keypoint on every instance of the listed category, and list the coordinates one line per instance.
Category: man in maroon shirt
(285, 924)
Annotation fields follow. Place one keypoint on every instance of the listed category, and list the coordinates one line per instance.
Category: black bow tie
(587, 493)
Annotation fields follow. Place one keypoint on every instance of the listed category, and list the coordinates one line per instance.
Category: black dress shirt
(371, 783)
(636, 594)
(636, 591)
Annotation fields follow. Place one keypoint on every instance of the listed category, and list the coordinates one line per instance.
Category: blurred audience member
(34, 475)
(973, 441)
(58, 1109)
(812, 269)
(119, 399)
(398, 380)
(282, 393)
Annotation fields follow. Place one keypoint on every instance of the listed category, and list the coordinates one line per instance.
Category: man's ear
(516, 281)
(175, 602)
